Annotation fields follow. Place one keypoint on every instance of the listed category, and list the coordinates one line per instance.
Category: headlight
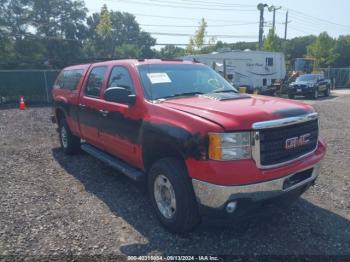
(229, 146)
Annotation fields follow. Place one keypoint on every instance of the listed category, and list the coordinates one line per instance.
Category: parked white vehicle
(253, 69)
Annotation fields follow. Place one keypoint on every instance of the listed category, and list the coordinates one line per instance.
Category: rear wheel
(69, 142)
(172, 195)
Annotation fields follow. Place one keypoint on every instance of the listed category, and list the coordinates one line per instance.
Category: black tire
(315, 94)
(327, 91)
(72, 143)
(290, 96)
(186, 215)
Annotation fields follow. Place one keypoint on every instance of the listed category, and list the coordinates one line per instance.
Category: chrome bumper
(216, 196)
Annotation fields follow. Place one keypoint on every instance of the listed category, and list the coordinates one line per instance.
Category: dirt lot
(54, 204)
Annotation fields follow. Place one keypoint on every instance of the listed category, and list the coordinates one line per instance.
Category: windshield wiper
(182, 94)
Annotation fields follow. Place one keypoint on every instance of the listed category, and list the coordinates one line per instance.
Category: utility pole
(273, 9)
(286, 26)
(261, 8)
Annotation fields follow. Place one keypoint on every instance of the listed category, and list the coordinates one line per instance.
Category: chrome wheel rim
(164, 196)
(64, 137)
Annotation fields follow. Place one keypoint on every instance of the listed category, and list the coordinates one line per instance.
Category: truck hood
(239, 113)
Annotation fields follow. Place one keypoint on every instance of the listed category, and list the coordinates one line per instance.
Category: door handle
(82, 106)
(103, 112)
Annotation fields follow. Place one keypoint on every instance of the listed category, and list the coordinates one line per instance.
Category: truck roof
(133, 62)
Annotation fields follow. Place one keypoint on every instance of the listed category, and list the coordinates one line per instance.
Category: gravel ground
(51, 204)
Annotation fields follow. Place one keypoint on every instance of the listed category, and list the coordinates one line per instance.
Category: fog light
(231, 207)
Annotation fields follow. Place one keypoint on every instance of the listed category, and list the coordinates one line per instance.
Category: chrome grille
(269, 148)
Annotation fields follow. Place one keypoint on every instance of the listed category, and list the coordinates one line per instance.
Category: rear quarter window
(69, 79)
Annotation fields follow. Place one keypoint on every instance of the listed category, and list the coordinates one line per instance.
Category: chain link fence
(340, 77)
(34, 85)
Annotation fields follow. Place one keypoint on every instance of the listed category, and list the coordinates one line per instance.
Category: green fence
(34, 85)
(340, 77)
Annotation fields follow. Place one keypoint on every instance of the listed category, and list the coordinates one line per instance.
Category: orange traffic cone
(22, 105)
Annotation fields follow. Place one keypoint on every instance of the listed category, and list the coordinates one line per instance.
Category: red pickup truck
(201, 147)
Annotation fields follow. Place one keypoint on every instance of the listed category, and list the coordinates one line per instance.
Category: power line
(306, 21)
(196, 26)
(310, 25)
(195, 3)
(217, 3)
(303, 25)
(218, 36)
(187, 18)
(179, 44)
(203, 3)
(184, 6)
(310, 17)
(298, 30)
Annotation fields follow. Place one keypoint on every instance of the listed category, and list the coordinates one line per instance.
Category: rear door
(90, 104)
(66, 95)
(120, 129)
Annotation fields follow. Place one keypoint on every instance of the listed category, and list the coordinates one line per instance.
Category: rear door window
(69, 79)
(95, 81)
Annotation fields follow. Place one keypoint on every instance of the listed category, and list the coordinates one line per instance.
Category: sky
(230, 20)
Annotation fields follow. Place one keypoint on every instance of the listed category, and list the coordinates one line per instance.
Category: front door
(120, 129)
(90, 105)
(322, 84)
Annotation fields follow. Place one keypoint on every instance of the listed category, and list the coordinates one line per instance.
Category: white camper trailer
(253, 69)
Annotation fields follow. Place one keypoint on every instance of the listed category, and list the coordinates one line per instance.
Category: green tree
(126, 51)
(60, 18)
(245, 45)
(171, 51)
(7, 52)
(342, 50)
(197, 42)
(297, 48)
(43, 33)
(273, 42)
(322, 50)
(104, 27)
(123, 37)
(104, 34)
(15, 17)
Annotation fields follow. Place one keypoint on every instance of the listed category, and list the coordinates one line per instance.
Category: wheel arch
(60, 114)
(155, 147)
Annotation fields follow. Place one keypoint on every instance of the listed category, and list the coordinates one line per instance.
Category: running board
(115, 163)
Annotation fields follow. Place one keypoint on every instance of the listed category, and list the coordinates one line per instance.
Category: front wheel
(69, 142)
(315, 94)
(172, 195)
(327, 91)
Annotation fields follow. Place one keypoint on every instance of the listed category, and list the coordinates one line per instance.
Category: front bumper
(217, 196)
(301, 91)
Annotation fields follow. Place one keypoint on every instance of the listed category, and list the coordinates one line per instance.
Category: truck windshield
(176, 80)
(306, 78)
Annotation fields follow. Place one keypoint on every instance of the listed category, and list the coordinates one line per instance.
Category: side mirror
(119, 95)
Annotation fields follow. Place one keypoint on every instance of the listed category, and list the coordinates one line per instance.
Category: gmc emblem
(297, 141)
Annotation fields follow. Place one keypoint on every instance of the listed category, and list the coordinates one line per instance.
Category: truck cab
(200, 146)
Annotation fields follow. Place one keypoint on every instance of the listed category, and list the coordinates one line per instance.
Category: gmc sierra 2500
(202, 147)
